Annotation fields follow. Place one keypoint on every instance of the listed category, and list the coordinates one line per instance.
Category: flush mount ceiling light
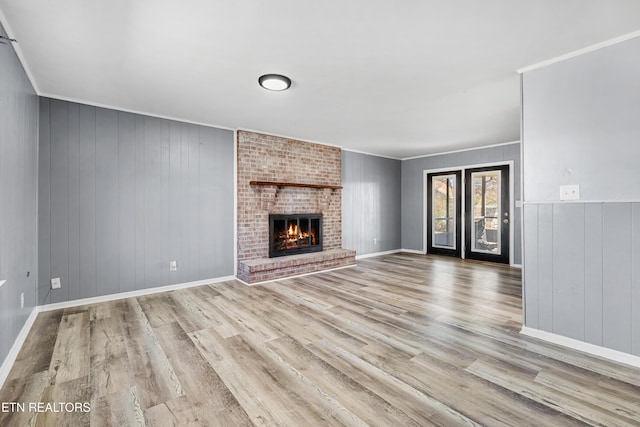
(275, 82)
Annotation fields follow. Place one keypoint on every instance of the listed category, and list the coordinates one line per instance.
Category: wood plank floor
(399, 340)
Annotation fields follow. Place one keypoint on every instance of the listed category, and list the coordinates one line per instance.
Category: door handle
(506, 221)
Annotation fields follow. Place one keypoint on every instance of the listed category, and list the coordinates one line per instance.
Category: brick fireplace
(281, 177)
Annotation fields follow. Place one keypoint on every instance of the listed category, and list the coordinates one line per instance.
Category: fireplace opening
(294, 234)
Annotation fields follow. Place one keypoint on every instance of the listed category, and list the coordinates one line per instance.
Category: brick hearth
(275, 159)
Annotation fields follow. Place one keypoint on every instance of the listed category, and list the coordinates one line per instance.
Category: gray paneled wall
(413, 191)
(121, 195)
(582, 259)
(582, 272)
(370, 203)
(18, 196)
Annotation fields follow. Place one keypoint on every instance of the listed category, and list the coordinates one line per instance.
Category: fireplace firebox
(294, 234)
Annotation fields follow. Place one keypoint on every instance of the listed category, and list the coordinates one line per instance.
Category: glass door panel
(444, 212)
(443, 192)
(485, 232)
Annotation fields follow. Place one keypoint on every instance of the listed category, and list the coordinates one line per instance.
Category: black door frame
(457, 252)
(504, 215)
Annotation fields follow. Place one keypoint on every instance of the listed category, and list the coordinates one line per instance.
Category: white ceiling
(394, 78)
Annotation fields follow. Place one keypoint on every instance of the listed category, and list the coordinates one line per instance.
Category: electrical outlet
(569, 192)
(55, 283)
(173, 265)
(22, 300)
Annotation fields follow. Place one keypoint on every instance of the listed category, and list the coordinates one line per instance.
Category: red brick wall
(271, 158)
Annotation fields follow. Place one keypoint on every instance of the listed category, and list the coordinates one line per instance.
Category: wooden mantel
(294, 184)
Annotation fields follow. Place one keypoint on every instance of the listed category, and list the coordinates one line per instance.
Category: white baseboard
(6, 366)
(131, 294)
(595, 350)
(363, 256)
(516, 266)
(413, 251)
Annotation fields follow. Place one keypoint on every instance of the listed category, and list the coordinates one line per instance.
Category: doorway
(468, 212)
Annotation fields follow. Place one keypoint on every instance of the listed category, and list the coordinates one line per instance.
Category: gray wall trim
(579, 52)
(124, 194)
(460, 151)
(127, 110)
(369, 154)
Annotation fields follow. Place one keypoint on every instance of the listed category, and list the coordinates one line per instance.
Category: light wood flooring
(399, 340)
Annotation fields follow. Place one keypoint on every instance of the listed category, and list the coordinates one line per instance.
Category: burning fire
(293, 231)
(295, 235)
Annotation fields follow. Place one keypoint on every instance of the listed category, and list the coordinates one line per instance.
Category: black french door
(487, 214)
(444, 209)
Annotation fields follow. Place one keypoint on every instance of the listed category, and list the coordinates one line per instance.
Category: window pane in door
(485, 232)
(444, 211)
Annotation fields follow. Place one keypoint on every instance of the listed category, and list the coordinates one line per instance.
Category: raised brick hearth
(261, 269)
(269, 158)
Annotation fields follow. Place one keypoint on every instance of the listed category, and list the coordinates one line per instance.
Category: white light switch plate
(173, 265)
(55, 283)
(570, 192)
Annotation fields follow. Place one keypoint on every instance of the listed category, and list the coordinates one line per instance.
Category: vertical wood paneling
(219, 251)
(226, 189)
(44, 203)
(546, 260)
(29, 195)
(19, 177)
(140, 207)
(371, 204)
(153, 202)
(594, 288)
(593, 273)
(193, 207)
(131, 194)
(74, 201)
(87, 196)
(568, 270)
(223, 188)
(531, 282)
(126, 202)
(107, 201)
(616, 298)
(165, 201)
(176, 207)
(209, 188)
(635, 284)
(59, 175)
(185, 271)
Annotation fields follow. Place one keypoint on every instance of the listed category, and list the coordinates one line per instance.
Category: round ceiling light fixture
(275, 82)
